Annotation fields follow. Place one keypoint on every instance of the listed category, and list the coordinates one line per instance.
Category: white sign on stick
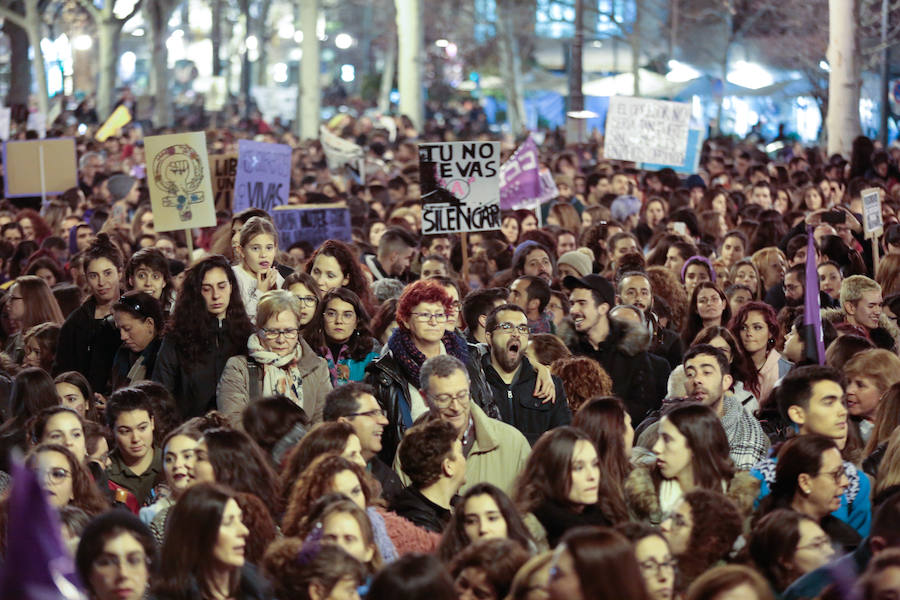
(645, 130)
(873, 224)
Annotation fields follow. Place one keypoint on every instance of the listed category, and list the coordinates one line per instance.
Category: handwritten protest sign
(645, 130)
(179, 181)
(224, 169)
(313, 224)
(263, 177)
(691, 156)
(873, 222)
(39, 167)
(460, 183)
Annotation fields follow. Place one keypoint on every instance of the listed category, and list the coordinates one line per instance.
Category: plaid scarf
(411, 358)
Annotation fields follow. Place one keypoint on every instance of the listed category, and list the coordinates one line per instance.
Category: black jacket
(391, 485)
(252, 586)
(89, 346)
(623, 354)
(667, 344)
(413, 506)
(558, 519)
(392, 388)
(194, 385)
(517, 404)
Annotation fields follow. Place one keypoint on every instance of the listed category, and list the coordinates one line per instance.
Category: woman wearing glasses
(279, 362)
(66, 481)
(811, 478)
(340, 334)
(304, 287)
(117, 557)
(140, 321)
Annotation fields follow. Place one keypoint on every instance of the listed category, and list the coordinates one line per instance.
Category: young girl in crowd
(40, 346)
(307, 292)
(256, 274)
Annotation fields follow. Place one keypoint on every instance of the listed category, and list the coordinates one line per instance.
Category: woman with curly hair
(89, 339)
(28, 302)
(484, 512)
(583, 378)
(311, 570)
(339, 333)
(581, 496)
(207, 327)
(665, 284)
(334, 265)
(33, 225)
(486, 568)
(756, 329)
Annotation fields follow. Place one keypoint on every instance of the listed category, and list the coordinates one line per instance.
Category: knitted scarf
(411, 358)
(281, 374)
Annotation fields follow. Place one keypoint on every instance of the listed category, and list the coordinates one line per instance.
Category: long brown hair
(597, 550)
(85, 493)
(40, 303)
(710, 452)
(603, 419)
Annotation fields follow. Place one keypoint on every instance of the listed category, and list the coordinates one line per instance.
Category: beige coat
(233, 391)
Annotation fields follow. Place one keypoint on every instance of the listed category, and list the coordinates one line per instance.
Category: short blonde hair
(853, 288)
(274, 302)
(879, 365)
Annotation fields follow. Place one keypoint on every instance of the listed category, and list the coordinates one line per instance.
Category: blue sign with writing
(263, 177)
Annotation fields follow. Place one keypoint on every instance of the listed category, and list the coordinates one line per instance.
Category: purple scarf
(411, 358)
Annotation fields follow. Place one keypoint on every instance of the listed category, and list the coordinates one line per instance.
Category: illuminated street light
(82, 42)
(441, 43)
(343, 41)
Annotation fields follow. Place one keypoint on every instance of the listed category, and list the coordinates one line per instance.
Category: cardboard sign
(116, 121)
(179, 181)
(224, 169)
(691, 158)
(644, 130)
(313, 224)
(873, 224)
(39, 167)
(263, 177)
(460, 183)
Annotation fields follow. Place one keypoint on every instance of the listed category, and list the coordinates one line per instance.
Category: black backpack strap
(254, 373)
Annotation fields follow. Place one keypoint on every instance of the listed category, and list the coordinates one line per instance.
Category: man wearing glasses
(512, 378)
(495, 452)
(422, 314)
(355, 403)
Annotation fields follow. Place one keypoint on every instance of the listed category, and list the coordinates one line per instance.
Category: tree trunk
(107, 56)
(33, 27)
(511, 66)
(262, 63)
(635, 42)
(576, 77)
(157, 14)
(387, 74)
(20, 68)
(216, 36)
(843, 80)
(409, 60)
(310, 95)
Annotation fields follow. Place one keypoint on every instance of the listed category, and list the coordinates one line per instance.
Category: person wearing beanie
(575, 263)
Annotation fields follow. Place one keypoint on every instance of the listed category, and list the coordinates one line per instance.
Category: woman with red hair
(756, 329)
(422, 313)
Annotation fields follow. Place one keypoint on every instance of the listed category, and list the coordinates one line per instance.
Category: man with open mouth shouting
(511, 376)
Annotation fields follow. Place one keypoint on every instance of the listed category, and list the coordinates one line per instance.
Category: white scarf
(281, 374)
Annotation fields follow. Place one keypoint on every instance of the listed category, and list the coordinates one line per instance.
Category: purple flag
(38, 566)
(520, 178)
(814, 343)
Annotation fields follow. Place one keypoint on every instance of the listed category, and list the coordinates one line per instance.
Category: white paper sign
(37, 121)
(5, 119)
(872, 220)
(460, 183)
(644, 130)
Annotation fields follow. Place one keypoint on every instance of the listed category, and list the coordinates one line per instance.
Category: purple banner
(263, 177)
(520, 178)
(814, 343)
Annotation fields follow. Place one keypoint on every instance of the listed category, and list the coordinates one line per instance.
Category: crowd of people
(612, 396)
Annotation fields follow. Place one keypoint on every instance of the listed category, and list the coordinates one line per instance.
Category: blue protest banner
(263, 175)
(691, 155)
(313, 224)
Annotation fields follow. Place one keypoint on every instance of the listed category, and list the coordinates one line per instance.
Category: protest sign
(116, 121)
(39, 167)
(223, 168)
(522, 184)
(460, 183)
(5, 121)
(872, 219)
(179, 181)
(314, 224)
(263, 178)
(645, 130)
(691, 157)
(338, 151)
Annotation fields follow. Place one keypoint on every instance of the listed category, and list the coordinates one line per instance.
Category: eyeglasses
(444, 400)
(836, 475)
(455, 306)
(651, 566)
(332, 315)
(427, 317)
(820, 543)
(272, 334)
(508, 327)
(55, 475)
(308, 300)
(372, 414)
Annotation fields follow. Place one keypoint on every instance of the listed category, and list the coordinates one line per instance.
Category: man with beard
(634, 288)
(708, 381)
(532, 294)
(531, 258)
(512, 378)
(793, 291)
